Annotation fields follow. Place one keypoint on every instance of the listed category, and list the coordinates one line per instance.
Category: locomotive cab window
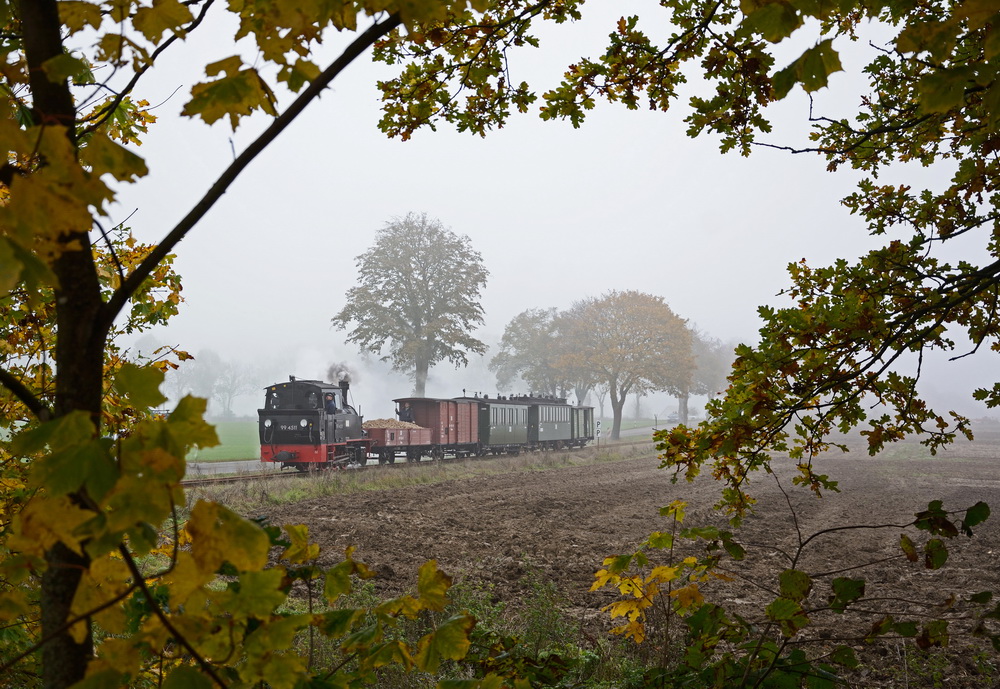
(278, 399)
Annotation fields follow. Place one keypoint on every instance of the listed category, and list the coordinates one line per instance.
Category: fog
(626, 202)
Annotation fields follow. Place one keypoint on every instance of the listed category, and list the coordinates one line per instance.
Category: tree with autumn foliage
(417, 293)
(631, 342)
(528, 352)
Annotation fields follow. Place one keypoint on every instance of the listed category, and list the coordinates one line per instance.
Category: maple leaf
(237, 94)
(163, 15)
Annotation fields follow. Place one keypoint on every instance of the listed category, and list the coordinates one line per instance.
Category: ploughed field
(508, 529)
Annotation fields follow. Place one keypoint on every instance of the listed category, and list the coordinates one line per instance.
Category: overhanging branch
(131, 284)
(12, 383)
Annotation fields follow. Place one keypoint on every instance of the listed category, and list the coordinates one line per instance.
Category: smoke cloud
(341, 372)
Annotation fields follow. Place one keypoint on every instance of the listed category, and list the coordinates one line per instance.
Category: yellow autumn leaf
(77, 15)
(603, 577)
(432, 586)
(631, 608)
(675, 509)
(133, 500)
(164, 15)
(276, 670)
(13, 604)
(117, 654)
(104, 156)
(43, 522)
(407, 606)
(662, 574)
(688, 596)
(199, 626)
(239, 93)
(219, 535)
(258, 594)
(634, 630)
(11, 484)
(300, 550)
(631, 586)
(185, 578)
(105, 579)
(450, 641)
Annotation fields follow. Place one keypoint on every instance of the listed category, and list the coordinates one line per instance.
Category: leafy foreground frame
(81, 510)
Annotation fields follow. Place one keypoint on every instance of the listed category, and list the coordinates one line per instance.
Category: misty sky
(626, 202)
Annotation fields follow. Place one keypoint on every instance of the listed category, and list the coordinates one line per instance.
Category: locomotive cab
(307, 421)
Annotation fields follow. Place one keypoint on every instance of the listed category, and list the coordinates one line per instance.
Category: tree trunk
(617, 409)
(79, 387)
(682, 407)
(420, 377)
(600, 401)
(79, 349)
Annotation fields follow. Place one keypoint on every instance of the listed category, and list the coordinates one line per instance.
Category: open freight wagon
(440, 428)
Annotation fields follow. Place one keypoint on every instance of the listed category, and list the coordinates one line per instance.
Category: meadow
(238, 440)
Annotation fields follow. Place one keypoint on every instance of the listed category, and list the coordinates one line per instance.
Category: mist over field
(626, 202)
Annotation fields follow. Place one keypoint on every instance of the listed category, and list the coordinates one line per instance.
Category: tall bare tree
(417, 295)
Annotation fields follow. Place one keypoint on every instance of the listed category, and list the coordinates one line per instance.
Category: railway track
(256, 476)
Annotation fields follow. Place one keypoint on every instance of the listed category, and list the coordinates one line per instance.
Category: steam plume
(340, 372)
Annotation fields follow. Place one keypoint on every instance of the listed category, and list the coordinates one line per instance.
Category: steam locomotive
(309, 424)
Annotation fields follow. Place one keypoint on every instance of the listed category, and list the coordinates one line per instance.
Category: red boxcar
(454, 424)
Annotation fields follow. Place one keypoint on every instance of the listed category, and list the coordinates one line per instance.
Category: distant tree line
(216, 378)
